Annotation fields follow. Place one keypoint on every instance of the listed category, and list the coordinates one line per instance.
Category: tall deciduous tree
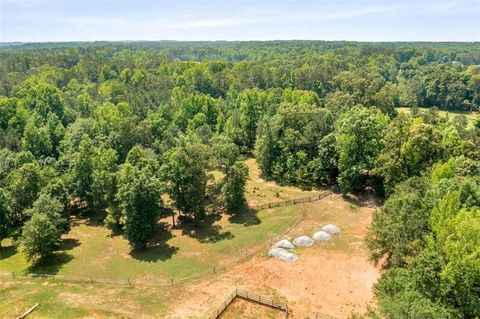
(359, 135)
(40, 237)
(139, 198)
(186, 172)
(83, 170)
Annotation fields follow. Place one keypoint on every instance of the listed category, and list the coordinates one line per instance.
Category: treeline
(106, 130)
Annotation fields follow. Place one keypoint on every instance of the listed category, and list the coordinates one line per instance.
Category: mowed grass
(185, 253)
(58, 299)
(260, 191)
(92, 250)
(471, 116)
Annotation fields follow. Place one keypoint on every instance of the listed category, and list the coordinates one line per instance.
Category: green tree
(22, 187)
(399, 228)
(36, 138)
(186, 172)
(5, 219)
(44, 98)
(139, 198)
(82, 170)
(233, 188)
(40, 237)
(461, 274)
(359, 135)
(104, 177)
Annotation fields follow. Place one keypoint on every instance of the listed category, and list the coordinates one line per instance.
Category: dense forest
(113, 130)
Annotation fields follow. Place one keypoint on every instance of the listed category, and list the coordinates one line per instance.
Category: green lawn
(179, 253)
(64, 300)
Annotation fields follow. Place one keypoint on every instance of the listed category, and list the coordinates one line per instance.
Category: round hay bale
(288, 256)
(303, 241)
(322, 236)
(284, 243)
(282, 254)
(275, 252)
(331, 229)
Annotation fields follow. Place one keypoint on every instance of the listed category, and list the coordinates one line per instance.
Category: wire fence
(289, 202)
(245, 254)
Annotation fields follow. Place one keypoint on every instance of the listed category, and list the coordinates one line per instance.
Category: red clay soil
(331, 280)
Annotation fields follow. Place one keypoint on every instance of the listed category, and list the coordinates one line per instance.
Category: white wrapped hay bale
(322, 236)
(331, 229)
(282, 254)
(274, 252)
(284, 243)
(303, 241)
(288, 256)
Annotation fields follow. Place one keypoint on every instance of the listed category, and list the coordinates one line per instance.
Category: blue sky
(360, 20)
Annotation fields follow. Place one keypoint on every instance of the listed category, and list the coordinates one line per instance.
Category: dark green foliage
(83, 170)
(399, 228)
(5, 218)
(359, 134)
(186, 172)
(288, 147)
(233, 188)
(139, 198)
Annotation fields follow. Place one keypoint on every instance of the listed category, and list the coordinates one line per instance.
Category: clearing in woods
(471, 116)
(333, 278)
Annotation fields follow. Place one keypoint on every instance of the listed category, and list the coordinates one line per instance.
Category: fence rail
(294, 201)
(237, 293)
(323, 316)
(262, 300)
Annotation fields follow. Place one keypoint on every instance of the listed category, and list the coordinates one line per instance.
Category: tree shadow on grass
(50, 265)
(116, 231)
(365, 199)
(157, 249)
(70, 243)
(245, 216)
(6, 252)
(206, 232)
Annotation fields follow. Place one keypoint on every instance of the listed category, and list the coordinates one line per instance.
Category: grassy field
(68, 300)
(471, 116)
(92, 250)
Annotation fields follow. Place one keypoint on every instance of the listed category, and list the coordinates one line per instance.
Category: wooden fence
(238, 293)
(289, 202)
(323, 316)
